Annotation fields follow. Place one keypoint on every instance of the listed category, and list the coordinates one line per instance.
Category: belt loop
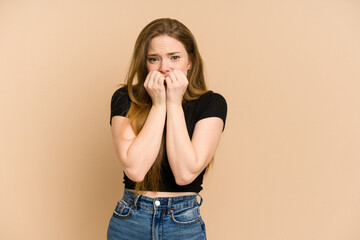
(169, 205)
(135, 201)
(201, 199)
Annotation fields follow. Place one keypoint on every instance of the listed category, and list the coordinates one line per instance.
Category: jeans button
(157, 203)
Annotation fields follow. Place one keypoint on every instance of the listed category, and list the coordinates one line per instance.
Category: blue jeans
(140, 217)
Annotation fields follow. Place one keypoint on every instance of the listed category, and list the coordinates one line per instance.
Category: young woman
(166, 127)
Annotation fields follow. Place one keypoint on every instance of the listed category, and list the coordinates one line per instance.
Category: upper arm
(205, 139)
(122, 132)
(123, 135)
(210, 123)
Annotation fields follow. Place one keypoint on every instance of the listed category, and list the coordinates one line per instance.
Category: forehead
(165, 44)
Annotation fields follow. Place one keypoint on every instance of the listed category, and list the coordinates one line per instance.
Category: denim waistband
(161, 202)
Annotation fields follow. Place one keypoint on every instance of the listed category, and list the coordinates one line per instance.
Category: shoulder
(212, 95)
(207, 99)
(120, 102)
(120, 92)
(212, 104)
(211, 98)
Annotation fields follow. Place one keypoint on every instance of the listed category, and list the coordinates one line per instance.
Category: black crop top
(209, 104)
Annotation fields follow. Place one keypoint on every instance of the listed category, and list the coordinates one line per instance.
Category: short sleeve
(212, 105)
(120, 103)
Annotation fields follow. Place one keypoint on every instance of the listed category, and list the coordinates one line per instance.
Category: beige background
(288, 164)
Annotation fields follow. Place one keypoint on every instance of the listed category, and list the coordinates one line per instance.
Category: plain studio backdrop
(287, 167)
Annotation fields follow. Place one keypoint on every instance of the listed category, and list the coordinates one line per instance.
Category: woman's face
(166, 54)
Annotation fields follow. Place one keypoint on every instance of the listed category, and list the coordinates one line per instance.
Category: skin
(166, 83)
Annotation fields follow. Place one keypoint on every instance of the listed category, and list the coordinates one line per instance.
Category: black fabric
(209, 104)
(120, 103)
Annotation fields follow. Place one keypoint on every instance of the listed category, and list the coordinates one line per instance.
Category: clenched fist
(176, 84)
(155, 86)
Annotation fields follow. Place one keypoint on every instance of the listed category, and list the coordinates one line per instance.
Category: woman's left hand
(176, 84)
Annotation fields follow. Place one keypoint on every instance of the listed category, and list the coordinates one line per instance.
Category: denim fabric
(140, 217)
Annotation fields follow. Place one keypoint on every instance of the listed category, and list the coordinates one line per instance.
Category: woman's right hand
(154, 85)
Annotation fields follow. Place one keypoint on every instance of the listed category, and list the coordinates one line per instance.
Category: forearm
(145, 147)
(180, 151)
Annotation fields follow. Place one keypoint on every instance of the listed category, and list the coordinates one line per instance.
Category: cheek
(181, 66)
(151, 67)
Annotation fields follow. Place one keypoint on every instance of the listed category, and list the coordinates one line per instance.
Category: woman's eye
(152, 59)
(176, 57)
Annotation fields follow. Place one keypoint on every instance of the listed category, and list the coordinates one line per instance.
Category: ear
(189, 62)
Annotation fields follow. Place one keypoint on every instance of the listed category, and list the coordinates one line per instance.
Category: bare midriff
(151, 194)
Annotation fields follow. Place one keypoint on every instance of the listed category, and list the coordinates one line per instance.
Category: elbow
(134, 175)
(185, 176)
(184, 179)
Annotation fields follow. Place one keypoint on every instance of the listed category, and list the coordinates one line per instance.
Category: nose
(165, 67)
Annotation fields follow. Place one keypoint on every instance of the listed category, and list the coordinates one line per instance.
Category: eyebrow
(170, 53)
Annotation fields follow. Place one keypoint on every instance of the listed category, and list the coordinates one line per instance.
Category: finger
(148, 78)
(159, 79)
(154, 78)
(181, 78)
(163, 80)
(168, 81)
(173, 77)
(181, 73)
(157, 74)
